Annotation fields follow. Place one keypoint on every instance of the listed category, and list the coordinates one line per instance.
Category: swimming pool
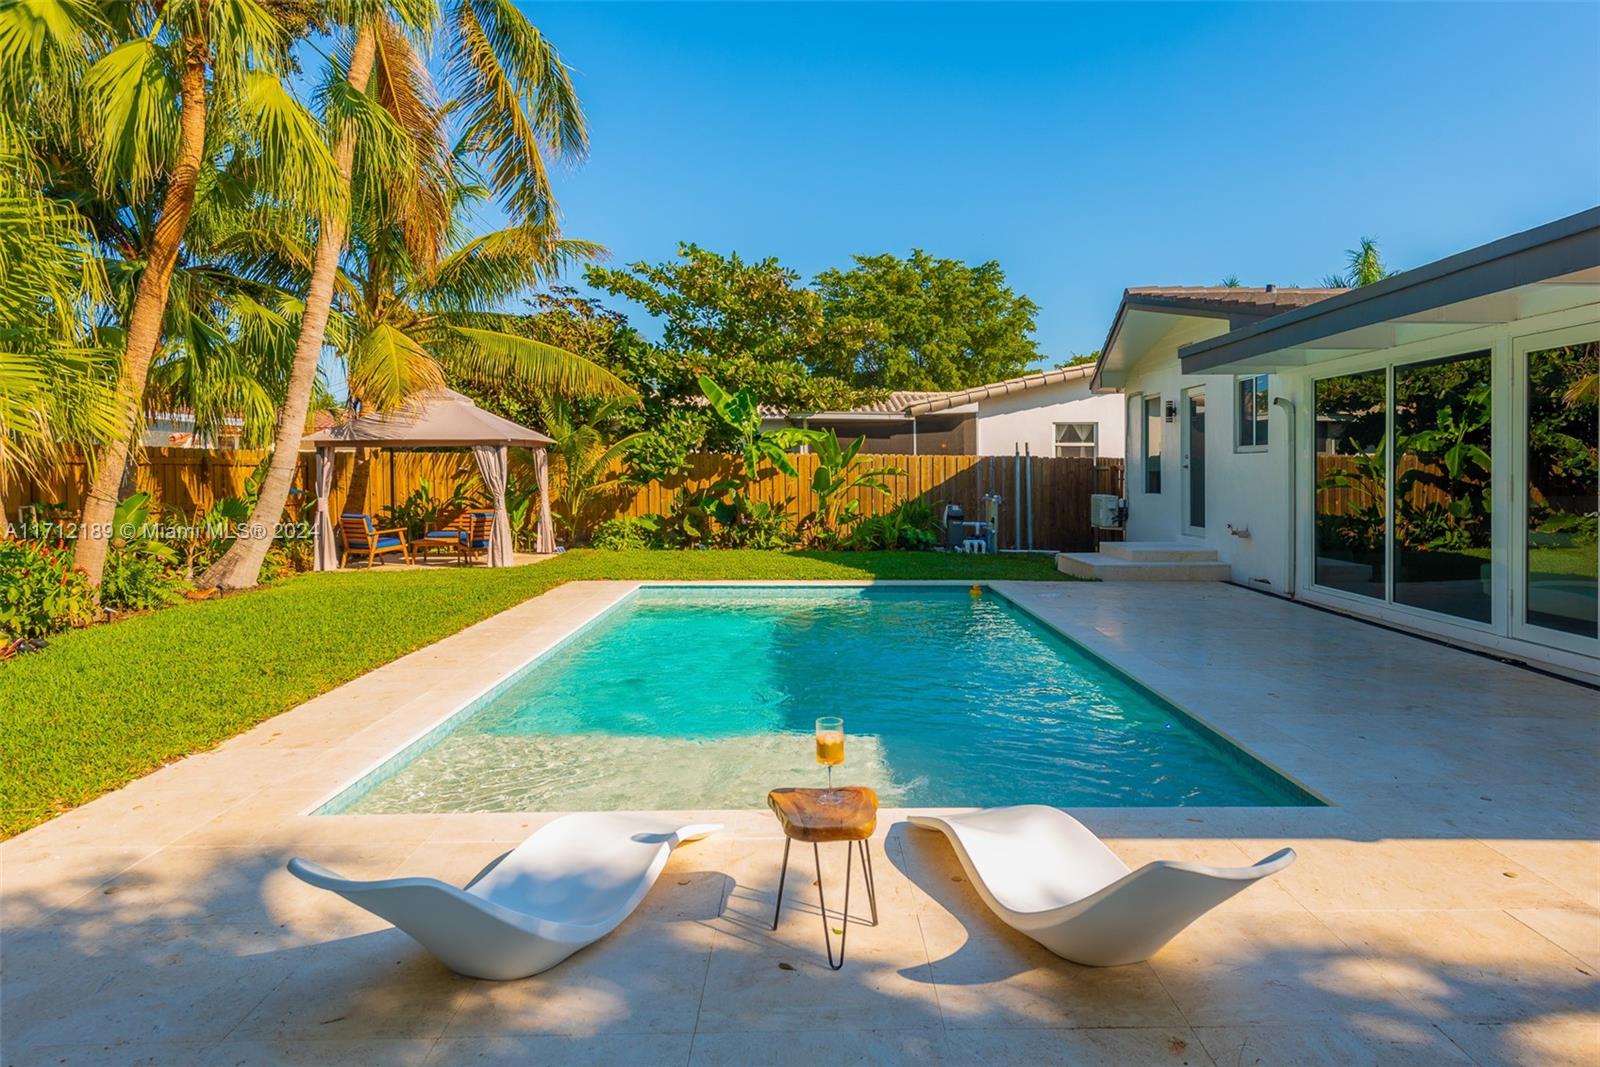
(696, 697)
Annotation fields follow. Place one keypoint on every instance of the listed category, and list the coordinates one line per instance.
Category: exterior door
(1555, 561)
(1194, 460)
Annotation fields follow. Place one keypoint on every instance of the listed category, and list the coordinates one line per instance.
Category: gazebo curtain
(325, 557)
(546, 542)
(492, 465)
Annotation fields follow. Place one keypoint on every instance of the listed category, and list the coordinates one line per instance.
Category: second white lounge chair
(1047, 875)
(567, 886)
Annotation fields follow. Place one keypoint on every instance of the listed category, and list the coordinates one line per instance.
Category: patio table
(848, 814)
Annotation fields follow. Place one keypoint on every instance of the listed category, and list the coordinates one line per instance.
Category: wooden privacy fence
(1343, 500)
(1044, 500)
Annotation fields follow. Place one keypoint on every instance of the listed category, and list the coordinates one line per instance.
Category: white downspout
(1294, 496)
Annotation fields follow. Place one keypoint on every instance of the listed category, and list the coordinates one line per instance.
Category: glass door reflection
(1563, 438)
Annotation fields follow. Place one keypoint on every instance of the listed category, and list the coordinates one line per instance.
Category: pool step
(1146, 561)
(1159, 551)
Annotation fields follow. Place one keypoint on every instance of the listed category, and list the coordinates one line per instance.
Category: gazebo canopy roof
(442, 419)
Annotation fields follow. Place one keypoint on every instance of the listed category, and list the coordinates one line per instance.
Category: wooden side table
(848, 814)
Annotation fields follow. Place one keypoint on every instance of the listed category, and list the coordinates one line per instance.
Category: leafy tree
(1078, 359)
(1231, 282)
(722, 306)
(922, 322)
(745, 325)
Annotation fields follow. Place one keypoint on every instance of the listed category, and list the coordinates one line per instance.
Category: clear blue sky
(1085, 147)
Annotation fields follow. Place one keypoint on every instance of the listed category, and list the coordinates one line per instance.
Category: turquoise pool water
(706, 698)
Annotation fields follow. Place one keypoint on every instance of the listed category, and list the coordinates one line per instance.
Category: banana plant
(741, 413)
(836, 476)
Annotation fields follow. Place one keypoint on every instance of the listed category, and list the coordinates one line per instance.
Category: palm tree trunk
(240, 566)
(149, 309)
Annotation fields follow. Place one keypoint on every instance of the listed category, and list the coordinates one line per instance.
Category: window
(1253, 406)
(1076, 440)
(1152, 444)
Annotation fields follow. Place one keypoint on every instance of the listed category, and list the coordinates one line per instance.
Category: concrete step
(1158, 551)
(1110, 569)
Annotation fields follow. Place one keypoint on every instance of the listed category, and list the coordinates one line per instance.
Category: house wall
(935, 435)
(1026, 421)
(1252, 490)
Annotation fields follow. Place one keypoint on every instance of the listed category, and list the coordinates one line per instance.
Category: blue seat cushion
(447, 535)
(480, 544)
(383, 542)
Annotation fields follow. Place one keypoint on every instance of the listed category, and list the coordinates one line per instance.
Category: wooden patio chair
(360, 538)
(466, 534)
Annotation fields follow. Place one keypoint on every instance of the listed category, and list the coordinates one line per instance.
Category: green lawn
(105, 705)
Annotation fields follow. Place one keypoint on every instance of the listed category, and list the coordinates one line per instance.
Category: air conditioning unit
(1107, 511)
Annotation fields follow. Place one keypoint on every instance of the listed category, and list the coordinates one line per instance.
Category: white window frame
(1077, 446)
(1258, 382)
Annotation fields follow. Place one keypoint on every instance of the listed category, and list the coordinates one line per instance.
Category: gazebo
(443, 419)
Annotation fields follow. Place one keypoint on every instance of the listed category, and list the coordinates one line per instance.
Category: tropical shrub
(740, 414)
(419, 512)
(584, 475)
(625, 533)
(141, 575)
(41, 593)
(746, 523)
(142, 571)
(911, 524)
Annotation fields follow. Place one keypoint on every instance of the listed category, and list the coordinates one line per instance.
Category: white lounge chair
(1046, 874)
(567, 886)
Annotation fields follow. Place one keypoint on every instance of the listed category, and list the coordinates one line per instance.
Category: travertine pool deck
(1445, 907)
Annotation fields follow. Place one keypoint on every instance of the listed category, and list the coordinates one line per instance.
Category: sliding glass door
(1351, 502)
(1561, 550)
(1442, 481)
(1421, 503)
(1404, 480)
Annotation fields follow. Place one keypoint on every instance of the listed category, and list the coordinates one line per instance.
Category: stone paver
(1445, 908)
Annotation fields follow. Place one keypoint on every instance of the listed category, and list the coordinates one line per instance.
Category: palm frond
(294, 164)
(405, 90)
(383, 148)
(519, 100)
(495, 266)
(132, 116)
(387, 366)
(488, 355)
(46, 41)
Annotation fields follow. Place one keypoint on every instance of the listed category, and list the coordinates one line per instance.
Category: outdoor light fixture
(1172, 410)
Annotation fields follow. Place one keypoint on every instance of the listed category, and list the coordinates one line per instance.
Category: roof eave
(1562, 247)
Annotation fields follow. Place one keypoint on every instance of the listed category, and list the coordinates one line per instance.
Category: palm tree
(1364, 267)
(584, 474)
(134, 82)
(517, 104)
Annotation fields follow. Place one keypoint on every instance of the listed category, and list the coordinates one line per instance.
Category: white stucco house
(1051, 413)
(1421, 452)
